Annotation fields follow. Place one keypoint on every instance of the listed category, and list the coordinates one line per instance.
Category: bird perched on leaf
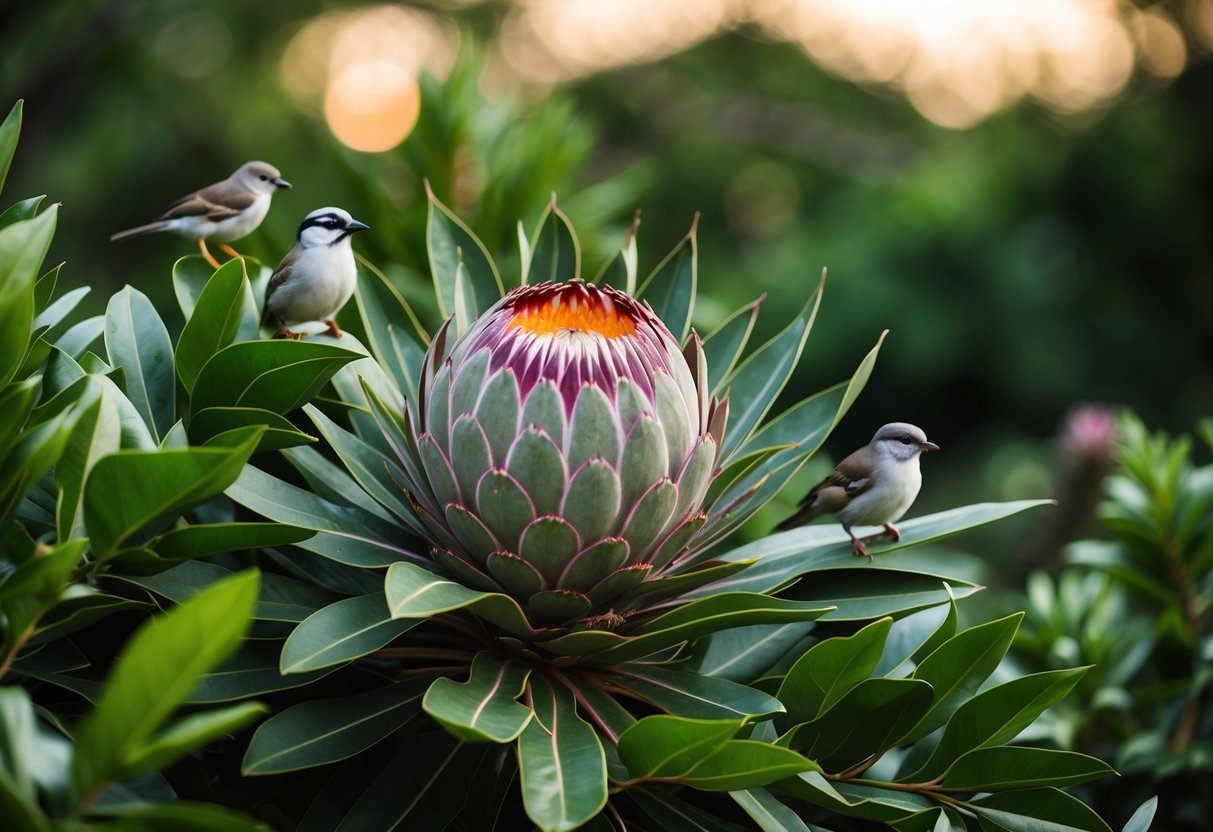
(874, 486)
(224, 212)
(317, 277)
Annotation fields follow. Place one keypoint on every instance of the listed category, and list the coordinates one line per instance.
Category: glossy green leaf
(26, 209)
(694, 696)
(830, 669)
(871, 717)
(23, 246)
(769, 813)
(708, 615)
(1013, 767)
(1036, 810)
(279, 433)
(554, 253)
(860, 594)
(97, 433)
(932, 820)
(670, 746)
(190, 276)
(672, 286)
(450, 242)
(414, 592)
(398, 348)
(153, 485)
(278, 375)
(31, 589)
(996, 716)
(341, 632)
(188, 734)
(214, 322)
(620, 270)
(347, 534)
(960, 665)
(787, 555)
(211, 538)
(326, 730)
(742, 654)
(154, 674)
(252, 671)
(724, 346)
(560, 762)
(856, 799)
(1143, 817)
(485, 707)
(136, 341)
(745, 764)
(755, 384)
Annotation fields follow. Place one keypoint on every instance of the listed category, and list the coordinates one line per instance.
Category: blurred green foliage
(1138, 608)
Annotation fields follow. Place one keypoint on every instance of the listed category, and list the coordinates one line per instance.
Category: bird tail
(140, 230)
(807, 512)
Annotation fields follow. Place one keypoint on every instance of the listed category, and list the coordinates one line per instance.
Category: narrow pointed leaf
(1037, 810)
(672, 286)
(450, 242)
(1013, 767)
(555, 254)
(341, 632)
(694, 696)
(23, 246)
(214, 322)
(136, 341)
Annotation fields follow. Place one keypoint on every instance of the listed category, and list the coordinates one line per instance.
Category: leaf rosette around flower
(565, 444)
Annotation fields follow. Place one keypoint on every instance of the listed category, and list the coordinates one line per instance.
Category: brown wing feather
(847, 481)
(276, 280)
(217, 202)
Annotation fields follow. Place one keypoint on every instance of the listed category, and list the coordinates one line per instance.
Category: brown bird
(874, 486)
(225, 211)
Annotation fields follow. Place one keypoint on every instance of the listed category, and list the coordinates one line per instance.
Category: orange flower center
(572, 311)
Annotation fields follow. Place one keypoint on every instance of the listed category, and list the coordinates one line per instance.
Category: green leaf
(856, 799)
(413, 592)
(10, 130)
(154, 674)
(830, 669)
(214, 322)
(620, 270)
(485, 707)
(449, 242)
(745, 764)
(1012, 767)
(326, 730)
(347, 534)
(136, 341)
(155, 484)
(97, 433)
(1144, 816)
(190, 276)
(709, 615)
(755, 384)
(670, 746)
(787, 555)
(995, 716)
(959, 666)
(1036, 810)
(211, 538)
(278, 375)
(30, 590)
(554, 253)
(667, 811)
(187, 734)
(382, 309)
(26, 209)
(341, 632)
(744, 653)
(251, 672)
(769, 813)
(179, 816)
(560, 761)
(80, 336)
(694, 696)
(672, 286)
(861, 594)
(279, 433)
(871, 717)
(722, 348)
(23, 246)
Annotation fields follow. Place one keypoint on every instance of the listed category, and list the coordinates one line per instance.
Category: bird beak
(282, 183)
(928, 446)
(354, 225)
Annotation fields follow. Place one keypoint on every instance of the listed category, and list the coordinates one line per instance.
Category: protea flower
(566, 444)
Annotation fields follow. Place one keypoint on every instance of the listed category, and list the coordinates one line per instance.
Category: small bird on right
(874, 486)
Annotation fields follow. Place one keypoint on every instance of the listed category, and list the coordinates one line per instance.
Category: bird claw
(288, 334)
(892, 531)
(333, 329)
(859, 550)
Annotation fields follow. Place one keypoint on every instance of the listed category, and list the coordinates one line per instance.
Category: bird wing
(216, 202)
(277, 279)
(846, 482)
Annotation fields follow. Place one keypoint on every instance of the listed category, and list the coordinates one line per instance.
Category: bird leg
(210, 258)
(892, 532)
(858, 549)
(333, 329)
(290, 335)
(228, 250)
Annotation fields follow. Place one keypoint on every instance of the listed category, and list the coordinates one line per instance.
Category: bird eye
(905, 440)
(264, 178)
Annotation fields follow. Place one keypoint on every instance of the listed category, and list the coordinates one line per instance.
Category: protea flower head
(566, 444)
